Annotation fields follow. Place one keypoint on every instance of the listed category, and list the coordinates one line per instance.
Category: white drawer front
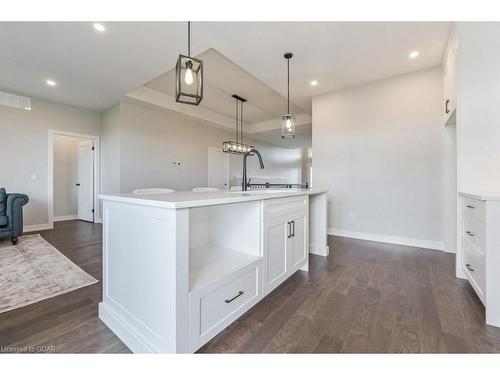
(475, 208)
(473, 263)
(284, 206)
(220, 304)
(475, 231)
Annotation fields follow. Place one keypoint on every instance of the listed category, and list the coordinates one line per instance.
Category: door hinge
(92, 210)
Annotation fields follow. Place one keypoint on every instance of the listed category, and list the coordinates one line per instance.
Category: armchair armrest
(15, 212)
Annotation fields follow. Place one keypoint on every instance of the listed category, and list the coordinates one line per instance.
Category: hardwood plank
(365, 297)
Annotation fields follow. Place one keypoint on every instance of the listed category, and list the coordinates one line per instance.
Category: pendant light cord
(236, 118)
(288, 85)
(189, 38)
(241, 120)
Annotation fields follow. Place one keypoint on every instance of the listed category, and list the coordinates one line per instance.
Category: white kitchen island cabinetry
(178, 268)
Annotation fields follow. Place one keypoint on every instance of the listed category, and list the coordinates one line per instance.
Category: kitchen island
(178, 268)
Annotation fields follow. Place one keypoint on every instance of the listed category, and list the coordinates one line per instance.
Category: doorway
(218, 168)
(73, 177)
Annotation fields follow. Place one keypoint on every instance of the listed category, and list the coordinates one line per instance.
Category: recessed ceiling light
(414, 54)
(99, 27)
(314, 82)
(51, 82)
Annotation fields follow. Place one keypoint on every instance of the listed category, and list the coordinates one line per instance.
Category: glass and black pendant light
(237, 146)
(188, 77)
(288, 120)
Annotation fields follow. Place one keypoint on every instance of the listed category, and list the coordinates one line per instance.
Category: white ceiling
(224, 78)
(95, 70)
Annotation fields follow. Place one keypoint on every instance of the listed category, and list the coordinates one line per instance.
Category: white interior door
(86, 181)
(218, 169)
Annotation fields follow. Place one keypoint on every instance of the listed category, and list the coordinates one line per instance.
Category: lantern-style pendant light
(188, 77)
(288, 120)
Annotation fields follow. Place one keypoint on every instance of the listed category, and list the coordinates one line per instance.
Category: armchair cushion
(3, 201)
(13, 217)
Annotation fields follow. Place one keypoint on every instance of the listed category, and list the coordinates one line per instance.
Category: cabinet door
(452, 77)
(275, 252)
(450, 82)
(298, 247)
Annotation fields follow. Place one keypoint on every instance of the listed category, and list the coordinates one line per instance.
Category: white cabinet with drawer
(213, 310)
(474, 231)
(473, 262)
(479, 251)
(285, 239)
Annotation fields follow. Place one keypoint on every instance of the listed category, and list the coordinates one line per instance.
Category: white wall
(65, 175)
(138, 145)
(478, 114)
(150, 139)
(281, 165)
(24, 149)
(378, 148)
(110, 150)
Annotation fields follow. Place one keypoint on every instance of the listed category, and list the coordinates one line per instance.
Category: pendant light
(237, 146)
(188, 77)
(288, 120)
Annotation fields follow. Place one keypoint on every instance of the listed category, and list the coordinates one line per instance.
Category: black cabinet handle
(78, 184)
(469, 267)
(469, 206)
(293, 228)
(240, 293)
(470, 233)
(289, 229)
(446, 109)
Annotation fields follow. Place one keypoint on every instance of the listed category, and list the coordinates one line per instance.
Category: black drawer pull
(469, 267)
(470, 233)
(469, 206)
(240, 293)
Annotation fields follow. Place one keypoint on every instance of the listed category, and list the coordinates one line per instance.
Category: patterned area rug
(34, 270)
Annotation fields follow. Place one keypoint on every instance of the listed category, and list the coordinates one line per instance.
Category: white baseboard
(319, 251)
(65, 218)
(37, 227)
(129, 335)
(413, 242)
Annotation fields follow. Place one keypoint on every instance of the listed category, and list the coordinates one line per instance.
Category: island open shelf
(222, 240)
(209, 264)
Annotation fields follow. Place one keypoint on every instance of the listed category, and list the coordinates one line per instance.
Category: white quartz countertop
(481, 195)
(186, 199)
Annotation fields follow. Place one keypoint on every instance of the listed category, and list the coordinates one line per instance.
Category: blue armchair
(11, 215)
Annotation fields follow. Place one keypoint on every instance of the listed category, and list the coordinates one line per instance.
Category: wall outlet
(34, 177)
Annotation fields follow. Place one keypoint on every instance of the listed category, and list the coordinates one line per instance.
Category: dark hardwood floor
(366, 297)
(67, 322)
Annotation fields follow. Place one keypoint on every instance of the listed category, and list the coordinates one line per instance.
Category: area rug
(34, 270)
